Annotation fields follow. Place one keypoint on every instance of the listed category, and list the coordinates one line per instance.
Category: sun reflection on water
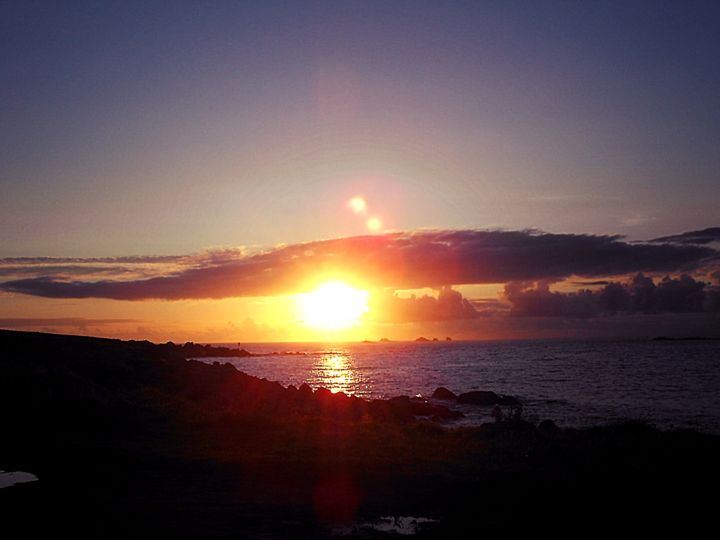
(336, 373)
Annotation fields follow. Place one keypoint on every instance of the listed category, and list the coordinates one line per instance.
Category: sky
(153, 155)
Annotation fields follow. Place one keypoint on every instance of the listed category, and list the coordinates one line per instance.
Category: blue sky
(178, 170)
(158, 128)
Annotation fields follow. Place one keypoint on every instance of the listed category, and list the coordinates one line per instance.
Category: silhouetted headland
(130, 439)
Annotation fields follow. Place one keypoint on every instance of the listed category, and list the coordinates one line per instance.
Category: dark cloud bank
(640, 295)
(402, 260)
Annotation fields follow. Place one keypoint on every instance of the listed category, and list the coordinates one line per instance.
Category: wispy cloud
(703, 237)
(636, 220)
(73, 322)
(106, 268)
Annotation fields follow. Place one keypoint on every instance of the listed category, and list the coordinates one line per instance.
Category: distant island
(690, 338)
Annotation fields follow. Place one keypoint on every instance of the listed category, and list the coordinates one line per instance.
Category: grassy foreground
(130, 440)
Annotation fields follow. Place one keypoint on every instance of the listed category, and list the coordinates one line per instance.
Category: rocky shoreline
(127, 436)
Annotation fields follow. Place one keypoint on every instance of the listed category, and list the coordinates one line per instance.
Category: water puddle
(8, 479)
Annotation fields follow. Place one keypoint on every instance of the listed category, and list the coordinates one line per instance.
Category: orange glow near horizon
(333, 306)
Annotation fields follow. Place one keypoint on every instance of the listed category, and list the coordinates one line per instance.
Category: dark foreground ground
(130, 440)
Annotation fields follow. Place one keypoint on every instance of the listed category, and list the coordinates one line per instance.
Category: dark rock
(434, 411)
(510, 400)
(394, 409)
(191, 349)
(486, 398)
(406, 408)
(443, 393)
(399, 401)
(422, 338)
(548, 427)
(323, 393)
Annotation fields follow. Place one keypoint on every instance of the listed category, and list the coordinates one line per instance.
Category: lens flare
(374, 224)
(358, 205)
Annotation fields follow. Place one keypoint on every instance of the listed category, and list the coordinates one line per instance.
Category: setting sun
(333, 306)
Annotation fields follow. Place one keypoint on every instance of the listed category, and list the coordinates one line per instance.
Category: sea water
(574, 383)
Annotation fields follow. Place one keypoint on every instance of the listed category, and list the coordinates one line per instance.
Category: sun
(333, 306)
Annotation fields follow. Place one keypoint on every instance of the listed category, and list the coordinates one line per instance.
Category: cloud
(69, 270)
(489, 307)
(448, 305)
(640, 295)
(401, 260)
(616, 326)
(74, 322)
(637, 219)
(705, 236)
(113, 268)
(150, 259)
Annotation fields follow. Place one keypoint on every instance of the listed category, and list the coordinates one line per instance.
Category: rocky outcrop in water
(486, 398)
(444, 394)
(476, 397)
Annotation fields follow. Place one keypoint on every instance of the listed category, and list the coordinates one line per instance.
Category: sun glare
(333, 306)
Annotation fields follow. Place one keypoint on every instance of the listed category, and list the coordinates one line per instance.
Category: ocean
(670, 384)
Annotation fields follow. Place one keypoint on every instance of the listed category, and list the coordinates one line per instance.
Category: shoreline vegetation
(130, 438)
